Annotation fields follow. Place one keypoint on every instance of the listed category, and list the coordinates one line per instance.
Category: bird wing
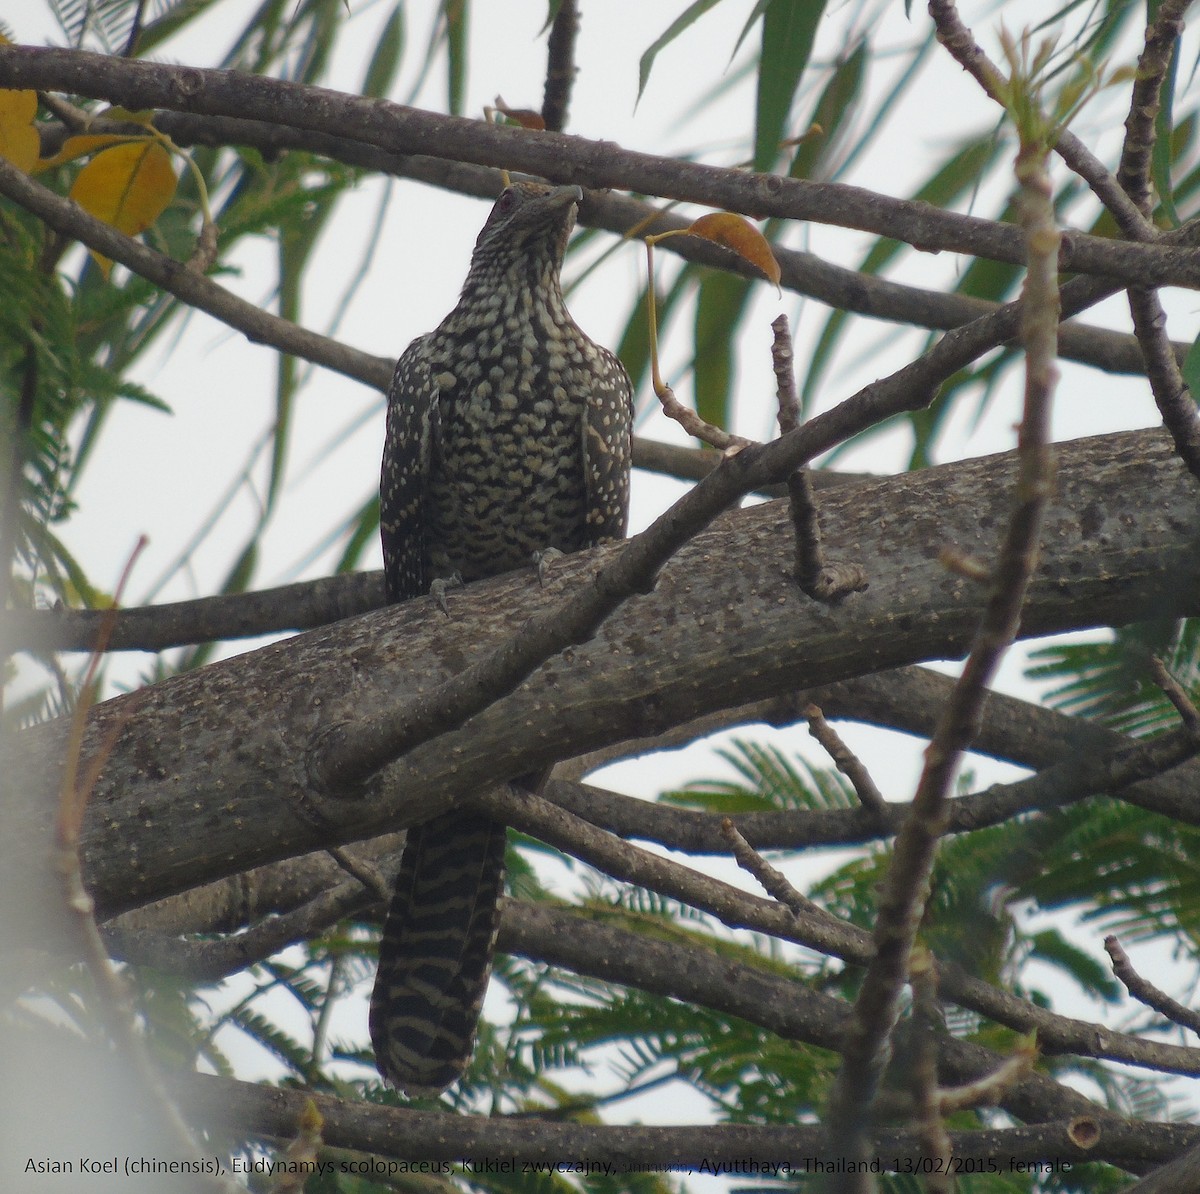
(608, 452)
(413, 429)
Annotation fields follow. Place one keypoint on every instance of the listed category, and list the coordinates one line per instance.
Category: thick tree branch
(818, 931)
(1157, 775)
(804, 273)
(303, 605)
(193, 789)
(339, 758)
(273, 1112)
(559, 157)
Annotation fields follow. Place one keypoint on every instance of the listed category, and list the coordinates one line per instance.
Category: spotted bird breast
(507, 477)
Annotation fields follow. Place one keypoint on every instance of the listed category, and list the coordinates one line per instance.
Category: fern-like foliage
(106, 25)
(48, 379)
(1109, 681)
(770, 780)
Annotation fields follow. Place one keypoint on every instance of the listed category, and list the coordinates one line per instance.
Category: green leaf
(457, 12)
(324, 18)
(788, 31)
(381, 70)
(1191, 368)
(771, 780)
(833, 114)
(956, 176)
(364, 530)
(688, 17)
(170, 17)
(719, 306)
(1093, 976)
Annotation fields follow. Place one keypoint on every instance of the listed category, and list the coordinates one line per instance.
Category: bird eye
(507, 200)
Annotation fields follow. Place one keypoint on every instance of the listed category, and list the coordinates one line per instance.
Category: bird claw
(542, 561)
(440, 587)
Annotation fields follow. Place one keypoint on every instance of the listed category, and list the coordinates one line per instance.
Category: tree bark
(210, 773)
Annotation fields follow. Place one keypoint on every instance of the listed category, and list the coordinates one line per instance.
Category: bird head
(529, 222)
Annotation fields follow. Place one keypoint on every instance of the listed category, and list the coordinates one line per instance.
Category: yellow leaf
(127, 186)
(738, 234)
(142, 116)
(76, 147)
(19, 140)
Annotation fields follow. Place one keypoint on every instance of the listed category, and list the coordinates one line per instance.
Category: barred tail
(435, 955)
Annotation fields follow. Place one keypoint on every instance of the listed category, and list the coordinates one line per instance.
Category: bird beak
(563, 196)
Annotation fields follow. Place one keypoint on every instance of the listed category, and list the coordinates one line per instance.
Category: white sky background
(161, 475)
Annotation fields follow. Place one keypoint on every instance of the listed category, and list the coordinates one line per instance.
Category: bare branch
(773, 881)
(1146, 992)
(1171, 392)
(271, 1112)
(1133, 558)
(804, 273)
(846, 761)
(208, 961)
(927, 1026)
(300, 606)
(906, 888)
(959, 41)
(1134, 171)
(138, 84)
(817, 930)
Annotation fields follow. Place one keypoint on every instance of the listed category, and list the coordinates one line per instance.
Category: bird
(508, 440)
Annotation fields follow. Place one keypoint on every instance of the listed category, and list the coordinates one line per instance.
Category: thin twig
(819, 930)
(963, 48)
(783, 364)
(1146, 992)
(1177, 695)
(845, 760)
(827, 582)
(1171, 393)
(367, 873)
(989, 1090)
(1145, 101)
(208, 961)
(773, 881)
(927, 1025)
(806, 523)
(906, 889)
(689, 420)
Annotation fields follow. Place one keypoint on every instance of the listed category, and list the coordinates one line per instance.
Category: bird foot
(542, 561)
(440, 587)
